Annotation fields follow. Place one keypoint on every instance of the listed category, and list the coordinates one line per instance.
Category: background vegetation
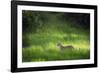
(43, 30)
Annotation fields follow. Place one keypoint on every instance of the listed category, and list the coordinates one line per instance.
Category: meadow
(45, 29)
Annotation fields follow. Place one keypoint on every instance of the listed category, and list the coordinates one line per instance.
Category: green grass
(43, 47)
(39, 54)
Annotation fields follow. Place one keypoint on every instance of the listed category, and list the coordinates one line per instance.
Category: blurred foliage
(33, 21)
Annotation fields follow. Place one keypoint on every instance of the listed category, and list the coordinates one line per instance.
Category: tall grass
(43, 47)
(40, 54)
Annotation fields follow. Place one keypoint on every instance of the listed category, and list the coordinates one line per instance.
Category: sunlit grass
(40, 54)
(44, 47)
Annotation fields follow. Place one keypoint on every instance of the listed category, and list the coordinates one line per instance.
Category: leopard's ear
(59, 42)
